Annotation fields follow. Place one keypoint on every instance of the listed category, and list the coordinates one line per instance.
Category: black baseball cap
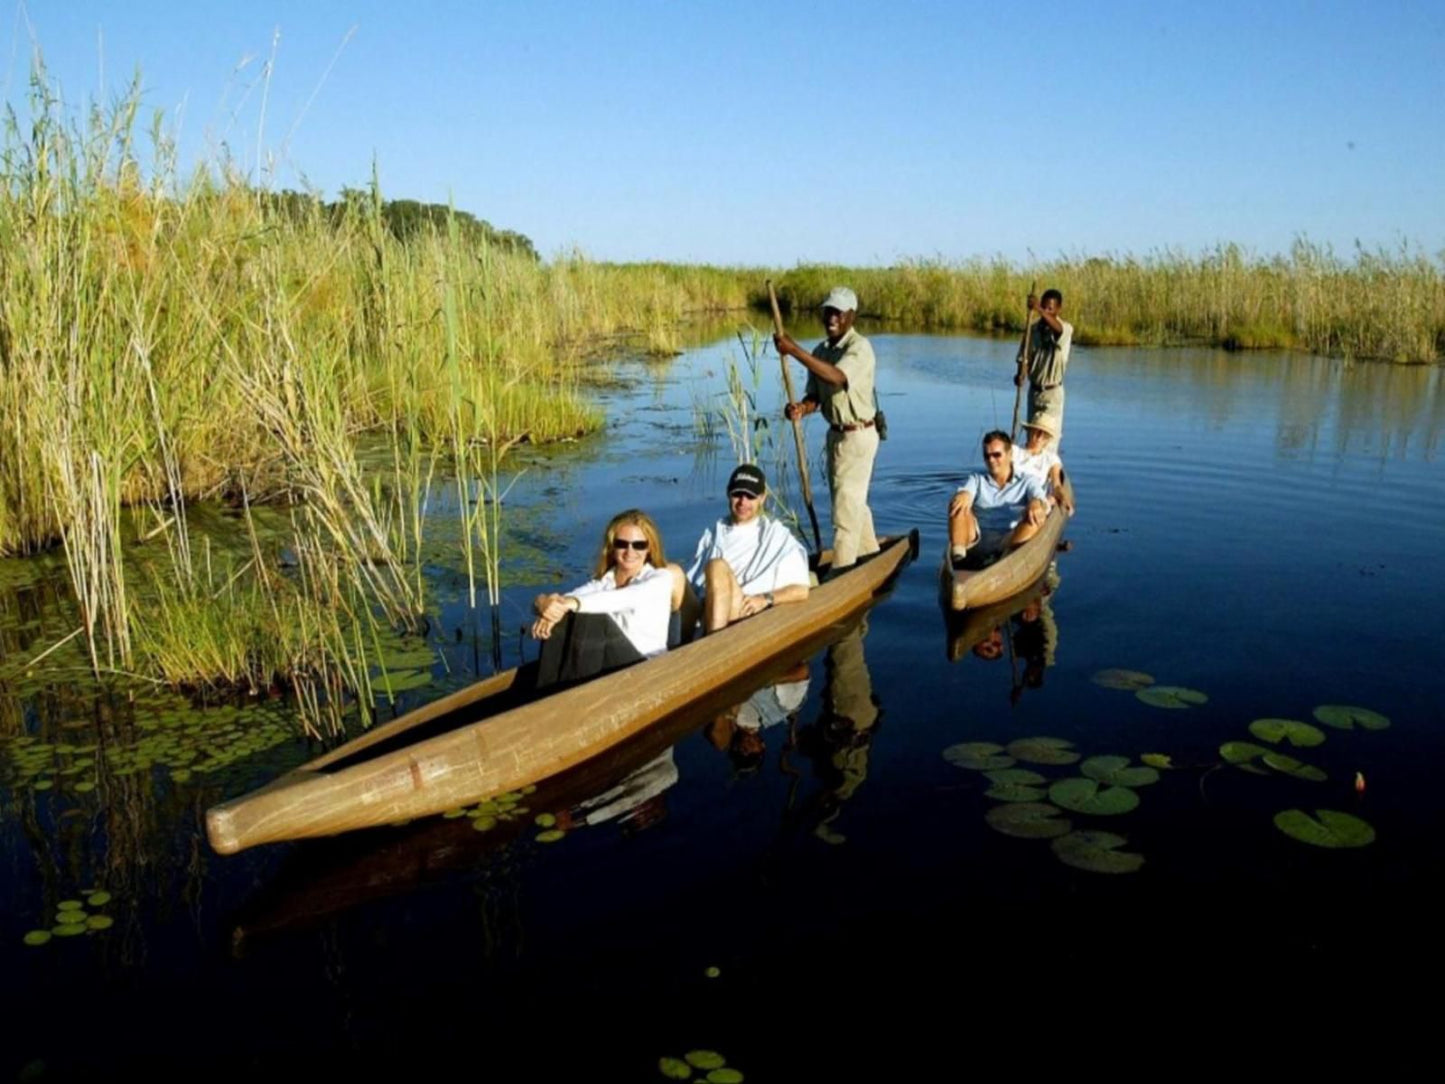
(748, 479)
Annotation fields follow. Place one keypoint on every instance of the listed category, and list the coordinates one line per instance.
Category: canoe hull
(536, 741)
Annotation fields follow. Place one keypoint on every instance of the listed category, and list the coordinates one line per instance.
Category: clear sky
(772, 133)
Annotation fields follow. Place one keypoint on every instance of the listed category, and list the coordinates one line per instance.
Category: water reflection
(1023, 629)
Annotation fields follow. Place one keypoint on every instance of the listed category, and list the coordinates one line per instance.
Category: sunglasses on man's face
(739, 495)
(629, 543)
(993, 455)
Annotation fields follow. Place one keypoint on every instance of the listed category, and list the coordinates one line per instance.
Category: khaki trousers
(850, 469)
(1049, 401)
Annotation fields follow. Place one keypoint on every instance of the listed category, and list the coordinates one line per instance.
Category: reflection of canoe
(966, 629)
(392, 774)
(967, 589)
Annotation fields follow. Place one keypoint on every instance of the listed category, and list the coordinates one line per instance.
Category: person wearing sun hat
(1038, 456)
(745, 563)
(840, 386)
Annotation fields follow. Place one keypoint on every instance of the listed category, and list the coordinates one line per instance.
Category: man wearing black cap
(746, 562)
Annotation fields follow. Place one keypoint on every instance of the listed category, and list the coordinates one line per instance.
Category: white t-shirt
(641, 610)
(1037, 464)
(763, 555)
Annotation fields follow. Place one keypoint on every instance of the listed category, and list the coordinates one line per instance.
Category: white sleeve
(699, 559)
(654, 589)
(792, 570)
(591, 587)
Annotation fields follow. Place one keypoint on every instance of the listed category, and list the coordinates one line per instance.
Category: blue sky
(774, 133)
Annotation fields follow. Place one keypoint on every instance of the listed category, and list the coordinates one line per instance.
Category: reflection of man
(1047, 357)
(636, 800)
(994, 510)
(839, 744)
(745, 563)
(840, 385)
(739, 731)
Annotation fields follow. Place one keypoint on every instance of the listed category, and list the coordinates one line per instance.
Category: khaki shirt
(851, 404)
(1048, 353)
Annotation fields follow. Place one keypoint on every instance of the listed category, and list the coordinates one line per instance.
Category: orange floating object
(1359, 782)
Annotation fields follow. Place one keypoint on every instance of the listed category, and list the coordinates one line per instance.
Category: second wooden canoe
(968, 589)
(381, 778)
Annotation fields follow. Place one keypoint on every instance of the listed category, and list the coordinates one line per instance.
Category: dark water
(1261, 529)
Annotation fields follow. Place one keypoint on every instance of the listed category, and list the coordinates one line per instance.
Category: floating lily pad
(43, 784)
(100, 922)
(85, 786)
(1241, 752)
(1171, 696)
(1157, 760)
(1096, 852)
(674, 1068)
(1043, 750)
(1088, 796)
(544, 820)
(1023, 776)
(405, 680)
(1300, 735)
(484, 824)
(1116, 771)
(705, 1059)
(69, 905)
(1028, 820)
(1122, 679)
(68, 929)
(713, 972)
(37, 937)
(453, 814)
(1016, 792)
(1332, 829)
(552, 835)
(99, 898)
(1347, 717)
(1287, 765)
(726, 1075)
(979, 756)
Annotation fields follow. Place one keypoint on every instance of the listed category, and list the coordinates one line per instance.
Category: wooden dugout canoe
(380, 777)
(968, 589)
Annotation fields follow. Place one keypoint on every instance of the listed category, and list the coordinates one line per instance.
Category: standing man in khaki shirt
(840, 384)
(1048, 356)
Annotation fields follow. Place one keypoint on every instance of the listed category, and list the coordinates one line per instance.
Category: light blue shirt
(999, 508)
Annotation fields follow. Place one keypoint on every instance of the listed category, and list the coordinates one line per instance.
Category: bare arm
(796, 592)
(828, 373)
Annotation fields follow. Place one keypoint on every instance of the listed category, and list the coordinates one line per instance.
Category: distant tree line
(404, 217)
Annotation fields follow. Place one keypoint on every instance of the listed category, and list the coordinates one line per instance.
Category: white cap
(842, 299)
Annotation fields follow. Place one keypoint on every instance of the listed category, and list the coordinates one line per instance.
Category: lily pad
(1287, 765)
(1157, 760)
(1331, 829)
(674, 1068)
(99, 898)
(1171, 696)
(1300, 735)
(1347, 717)
(405, 680)
(1116, 771)
(1096, 852)
(1241, 752)
(1122, 679)
(544, 820)
(726, 1075)
(70, 905)
(484, 824)
(1028, 820)
(37, 937)
(68, 929)
(1043, 750)
(1016, 792)
(979, 756)
(551, 835)
(1023, 776)
(453, 814)
(100, 922)
(705, 1059)
(1088, 796)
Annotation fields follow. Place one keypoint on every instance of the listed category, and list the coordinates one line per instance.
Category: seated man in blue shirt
(994, 510)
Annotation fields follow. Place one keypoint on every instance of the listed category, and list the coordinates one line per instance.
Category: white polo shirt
(641, 610)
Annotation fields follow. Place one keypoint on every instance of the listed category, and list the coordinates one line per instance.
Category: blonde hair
(633, 517)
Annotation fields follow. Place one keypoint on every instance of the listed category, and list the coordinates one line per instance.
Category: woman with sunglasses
(617, 618)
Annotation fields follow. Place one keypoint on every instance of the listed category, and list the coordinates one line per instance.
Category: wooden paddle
(797, 426)
(1024, 353)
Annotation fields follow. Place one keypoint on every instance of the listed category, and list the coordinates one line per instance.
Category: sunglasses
(739, 495)
(993, 455)
(629, 543)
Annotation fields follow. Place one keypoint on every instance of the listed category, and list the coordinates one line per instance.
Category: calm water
(1261, 529)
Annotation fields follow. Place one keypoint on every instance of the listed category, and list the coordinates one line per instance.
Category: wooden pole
(797, 426)
(1024, 354)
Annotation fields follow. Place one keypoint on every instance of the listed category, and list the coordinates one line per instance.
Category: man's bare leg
(724, 601)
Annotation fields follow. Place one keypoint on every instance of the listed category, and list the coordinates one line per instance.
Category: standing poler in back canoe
(840, 384)
(1046, 358)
